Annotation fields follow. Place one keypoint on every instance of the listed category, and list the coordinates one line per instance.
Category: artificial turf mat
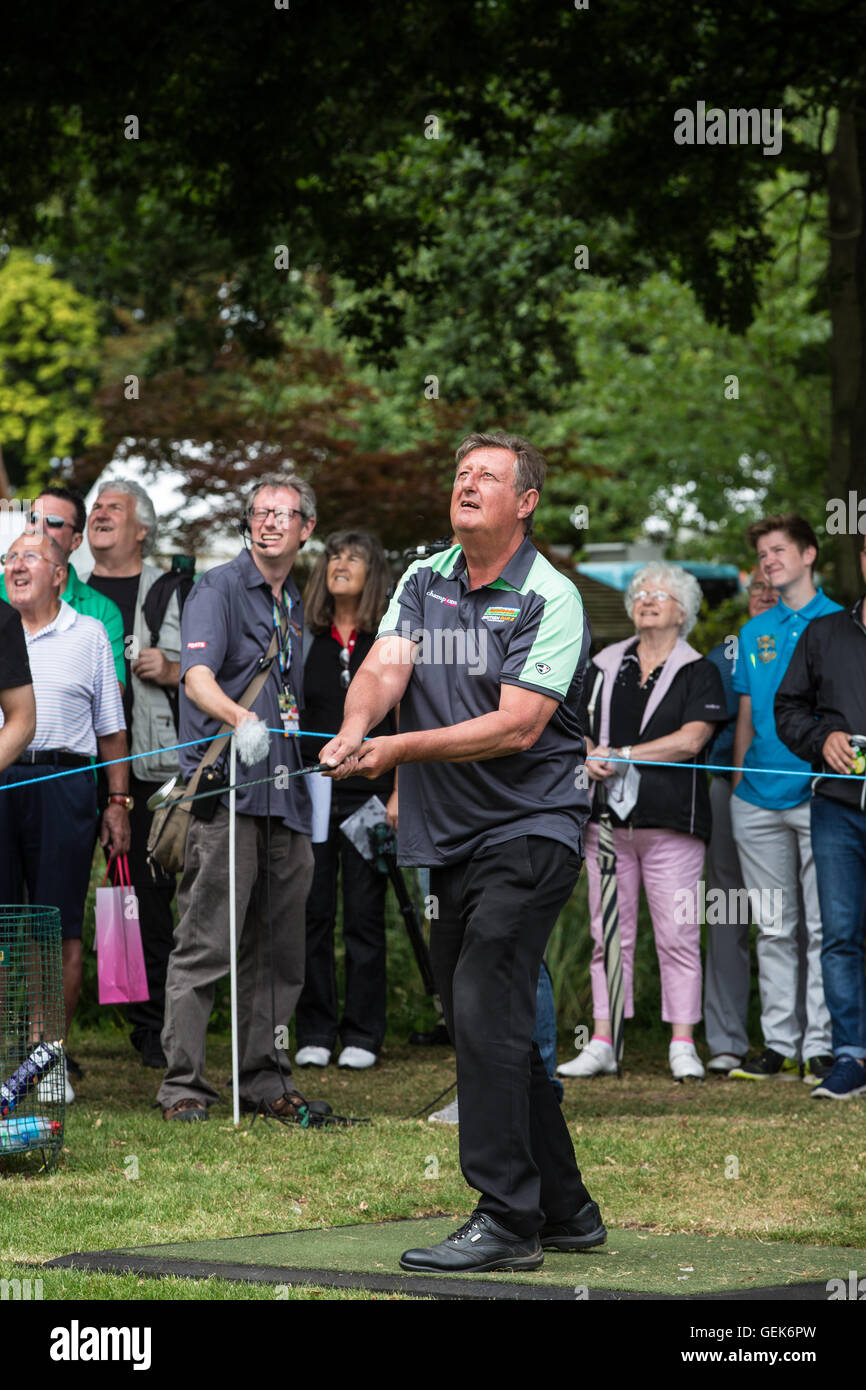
(632, 1264)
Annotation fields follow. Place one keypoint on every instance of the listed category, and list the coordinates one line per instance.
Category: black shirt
(124, 592)
(628, 699)
(669, 798)
(14, 666)
(324, 700)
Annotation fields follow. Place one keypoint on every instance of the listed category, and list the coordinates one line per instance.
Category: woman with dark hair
(344, 601)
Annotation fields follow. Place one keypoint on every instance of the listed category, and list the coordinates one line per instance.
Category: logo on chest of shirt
(443, 598)
(767, 649)
(500, 615)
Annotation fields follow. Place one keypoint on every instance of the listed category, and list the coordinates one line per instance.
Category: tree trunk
(846, 180)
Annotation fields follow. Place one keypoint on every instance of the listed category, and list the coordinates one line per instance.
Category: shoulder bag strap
(216, 746)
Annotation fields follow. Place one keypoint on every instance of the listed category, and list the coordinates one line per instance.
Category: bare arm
(201, 686)
(115, 833)
(19, 726)
(744, 733)
(678, 747)
(378, 685)
(515, 726)
(153, 665)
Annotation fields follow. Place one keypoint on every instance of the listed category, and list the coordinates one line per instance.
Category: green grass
(654, 1154)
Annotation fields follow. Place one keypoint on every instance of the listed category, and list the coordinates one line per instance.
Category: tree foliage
(50, 358)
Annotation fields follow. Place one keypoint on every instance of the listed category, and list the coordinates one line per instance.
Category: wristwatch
(120, 799)
(626, 751)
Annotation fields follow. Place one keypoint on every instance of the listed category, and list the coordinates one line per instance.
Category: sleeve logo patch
(195, 646)
(500, 615)
(542, 668)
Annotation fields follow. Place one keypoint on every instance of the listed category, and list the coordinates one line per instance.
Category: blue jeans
(839, 847)
(545, 1028)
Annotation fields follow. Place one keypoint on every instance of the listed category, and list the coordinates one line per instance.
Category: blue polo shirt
(526, 628)
(766, 646)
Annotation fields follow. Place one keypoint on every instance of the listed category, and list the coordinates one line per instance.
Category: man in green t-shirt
(60, 513)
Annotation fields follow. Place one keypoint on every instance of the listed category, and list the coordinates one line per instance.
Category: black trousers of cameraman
(496, 912)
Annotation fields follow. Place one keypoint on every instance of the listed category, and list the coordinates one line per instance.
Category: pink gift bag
(120, 958)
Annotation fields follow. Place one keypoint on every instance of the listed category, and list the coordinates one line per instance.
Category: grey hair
(145, 512)
(299, 485)
(680, 584)
(530, 465)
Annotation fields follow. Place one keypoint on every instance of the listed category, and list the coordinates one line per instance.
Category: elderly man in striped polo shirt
(47, 830)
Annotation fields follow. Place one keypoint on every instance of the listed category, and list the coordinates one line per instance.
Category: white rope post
(233, 926)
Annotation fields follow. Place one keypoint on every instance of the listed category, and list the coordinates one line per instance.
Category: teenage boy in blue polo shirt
(770, 810)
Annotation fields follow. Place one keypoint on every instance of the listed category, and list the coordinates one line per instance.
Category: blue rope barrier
(317, 733)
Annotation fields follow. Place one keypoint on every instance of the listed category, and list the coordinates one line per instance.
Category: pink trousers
(669, 865)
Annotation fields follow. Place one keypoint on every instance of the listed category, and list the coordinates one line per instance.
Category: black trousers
(317, 1019)
(496, 912)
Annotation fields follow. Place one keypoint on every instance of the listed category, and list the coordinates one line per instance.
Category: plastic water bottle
(28, 1132)
(43, 1057)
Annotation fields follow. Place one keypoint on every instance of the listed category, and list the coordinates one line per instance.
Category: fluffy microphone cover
(253, 741)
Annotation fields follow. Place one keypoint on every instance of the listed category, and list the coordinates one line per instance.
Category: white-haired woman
(652, 700)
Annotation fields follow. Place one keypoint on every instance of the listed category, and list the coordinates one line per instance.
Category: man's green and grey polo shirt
(526, 628)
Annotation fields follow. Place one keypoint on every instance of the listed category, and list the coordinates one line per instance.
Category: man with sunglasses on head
(59, 512)
(235, 617)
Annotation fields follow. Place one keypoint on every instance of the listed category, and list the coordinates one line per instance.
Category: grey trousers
(775, 848)
(727, 974)
(201, 953)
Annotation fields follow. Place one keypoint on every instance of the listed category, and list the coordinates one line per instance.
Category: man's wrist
(121, 799)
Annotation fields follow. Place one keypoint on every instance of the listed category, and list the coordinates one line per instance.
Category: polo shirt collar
(513, 575)
(253, 578)
(813, 609)
(64, 620)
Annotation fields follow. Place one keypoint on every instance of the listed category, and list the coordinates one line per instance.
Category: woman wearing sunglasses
(652, 699)
(344, 601)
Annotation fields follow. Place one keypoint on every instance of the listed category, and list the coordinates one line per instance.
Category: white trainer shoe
(723, 1062)
(313, 1057)
(448, 1115)
(596, 1059)
(358, 1058)
(684, 1061)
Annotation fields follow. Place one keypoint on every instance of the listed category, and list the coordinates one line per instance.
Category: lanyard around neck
(284, 635)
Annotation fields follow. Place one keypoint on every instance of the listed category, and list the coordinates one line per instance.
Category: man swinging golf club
(485, 646)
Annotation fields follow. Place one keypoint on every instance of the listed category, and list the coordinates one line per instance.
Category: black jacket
(824, 689)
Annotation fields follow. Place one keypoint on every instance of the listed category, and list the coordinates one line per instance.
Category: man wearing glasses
(47, 828)
(59, 512)
(821, 715)
(228, 624)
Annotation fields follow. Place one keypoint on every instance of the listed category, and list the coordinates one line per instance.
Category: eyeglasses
(48, 519)
(282, 515)
(30, 557)
(660, 594)
(345, 676)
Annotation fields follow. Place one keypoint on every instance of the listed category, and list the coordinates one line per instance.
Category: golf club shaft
(257, 782)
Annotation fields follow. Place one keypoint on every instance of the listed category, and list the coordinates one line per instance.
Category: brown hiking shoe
(187, 1109)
